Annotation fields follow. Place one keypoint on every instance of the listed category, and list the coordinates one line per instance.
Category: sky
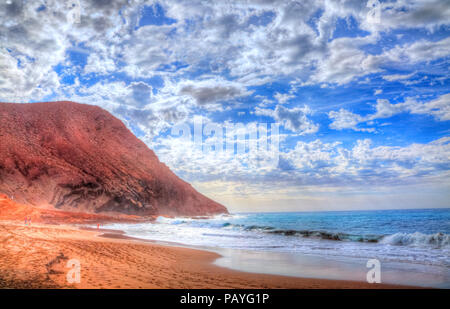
(355, 95)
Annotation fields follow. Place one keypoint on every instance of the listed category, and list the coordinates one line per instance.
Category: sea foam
(437, 240)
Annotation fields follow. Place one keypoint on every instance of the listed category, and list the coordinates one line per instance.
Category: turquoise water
(410, 243)
(349, 225)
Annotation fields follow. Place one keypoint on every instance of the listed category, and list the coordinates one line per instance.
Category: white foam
(438, 240)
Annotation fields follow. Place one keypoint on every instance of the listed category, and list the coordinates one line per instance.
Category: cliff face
(81, 158)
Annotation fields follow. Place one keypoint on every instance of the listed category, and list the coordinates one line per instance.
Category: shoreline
(118, 261)
(227, 258)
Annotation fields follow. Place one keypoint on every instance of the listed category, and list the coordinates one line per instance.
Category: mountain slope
(81, 158)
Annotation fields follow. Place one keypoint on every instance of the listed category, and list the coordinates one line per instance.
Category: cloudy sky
(360, 90)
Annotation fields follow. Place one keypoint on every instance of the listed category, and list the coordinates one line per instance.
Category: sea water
(413, 246)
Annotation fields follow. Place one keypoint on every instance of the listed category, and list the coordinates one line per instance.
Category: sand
(36, 256)
(11, 210)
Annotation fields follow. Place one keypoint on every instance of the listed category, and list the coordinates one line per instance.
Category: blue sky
(360, 90)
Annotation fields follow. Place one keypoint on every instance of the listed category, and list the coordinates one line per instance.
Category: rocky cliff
(80, 158)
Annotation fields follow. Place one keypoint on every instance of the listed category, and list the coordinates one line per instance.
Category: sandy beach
(35, 257)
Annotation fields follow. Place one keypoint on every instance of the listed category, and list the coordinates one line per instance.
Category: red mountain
(80, 158)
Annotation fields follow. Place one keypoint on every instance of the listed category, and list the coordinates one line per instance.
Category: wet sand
(36, 256)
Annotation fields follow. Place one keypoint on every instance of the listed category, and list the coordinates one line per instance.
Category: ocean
(413, 246)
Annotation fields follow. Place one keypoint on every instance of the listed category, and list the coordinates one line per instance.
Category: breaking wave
(437, 240)
(417, 239)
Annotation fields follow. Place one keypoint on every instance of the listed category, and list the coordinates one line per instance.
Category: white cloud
(331, 163)
(254, 42)
(283, 97)
(212, 92)
(344, 62)
(344, 119)
(310, 164)
(202, 163)
(429, 14)
(439, 108)
(419, 51)
(396, 77)
(294, 119)
(99, 65)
